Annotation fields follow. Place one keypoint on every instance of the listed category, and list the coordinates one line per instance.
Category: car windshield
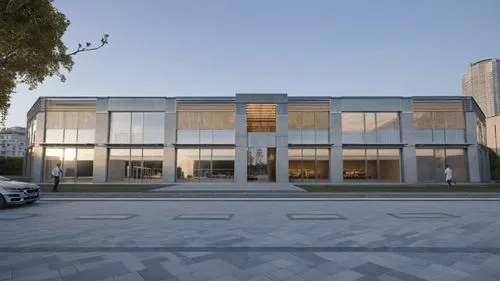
(4, 179)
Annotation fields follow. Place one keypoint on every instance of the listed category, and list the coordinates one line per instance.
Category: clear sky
(313, 47)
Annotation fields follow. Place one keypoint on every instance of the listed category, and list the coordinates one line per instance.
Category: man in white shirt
(448, 172)
(56, 174)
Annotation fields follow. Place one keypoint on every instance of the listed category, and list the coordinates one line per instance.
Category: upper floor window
(70, 127)
(308, 123)
(370, 127)
(261, 118)
(439, 126)
(137, 128)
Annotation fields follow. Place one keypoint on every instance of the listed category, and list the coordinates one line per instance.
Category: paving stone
(436, 271)
(155, 273)
(371, 269)
(282, 274)
(61, 264)
(105, 271)
(401, 275)
(39, 277)
(347, 275)
(282, 263)
(29, 271)
(133, 276)
(6, 275)
(213, 268)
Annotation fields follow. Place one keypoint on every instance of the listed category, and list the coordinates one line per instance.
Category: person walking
(56, 175)
(448, 172)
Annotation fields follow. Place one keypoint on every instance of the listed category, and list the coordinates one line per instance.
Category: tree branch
(87, 48)
(14, 5)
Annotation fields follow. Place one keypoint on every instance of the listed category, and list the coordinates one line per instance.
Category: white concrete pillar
(336, 160)
(240, 161)
(101, 140)
(408, 153)
(282, 143)
(169, 151)
(473, 163)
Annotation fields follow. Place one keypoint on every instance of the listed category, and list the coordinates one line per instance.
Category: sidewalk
(71, 196)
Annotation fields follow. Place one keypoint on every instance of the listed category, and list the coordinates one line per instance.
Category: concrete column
(101, 140)
(470, 128)
(37, 165)
(336, 160)
(240, 161)
(336, 164)
(169, 152)
(409, 165)
(473, 163)
(408, 153)
(100, 164)
(282, 143)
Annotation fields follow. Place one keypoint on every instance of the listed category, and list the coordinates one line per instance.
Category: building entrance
(261, 164)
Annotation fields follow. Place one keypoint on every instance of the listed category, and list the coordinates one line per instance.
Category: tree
(31, 46)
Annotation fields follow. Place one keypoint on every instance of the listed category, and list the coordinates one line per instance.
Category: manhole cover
(105, 217)
(429, 215)
(315, 217)
(224, 217)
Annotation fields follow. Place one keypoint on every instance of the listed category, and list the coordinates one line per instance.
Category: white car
(17, 193)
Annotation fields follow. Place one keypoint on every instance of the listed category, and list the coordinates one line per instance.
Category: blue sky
(315, 47)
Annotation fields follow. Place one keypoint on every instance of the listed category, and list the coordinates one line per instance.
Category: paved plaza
(233, 241)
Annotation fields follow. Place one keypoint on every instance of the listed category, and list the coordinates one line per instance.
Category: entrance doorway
(261, 164)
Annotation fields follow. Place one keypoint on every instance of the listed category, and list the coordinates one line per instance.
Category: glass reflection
(120, 127)
(76, 163)
(205, 164)
(261, 164)
(135, 165)
(308, 164)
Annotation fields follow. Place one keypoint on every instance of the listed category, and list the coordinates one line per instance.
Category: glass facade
(439, 127)
(202, 126)
(261, 164)
(70, 127)
(194, 164)
(137, 128)
(308, 127)
(431, 163)
(77, 164)
(372, 164)
(371, 128)
(135, 165)
(308, 164)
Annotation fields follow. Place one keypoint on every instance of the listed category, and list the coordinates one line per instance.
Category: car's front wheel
(3, 203)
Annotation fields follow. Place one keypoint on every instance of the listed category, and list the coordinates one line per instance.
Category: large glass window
(439, 126)
(31, 131)
(261, 118)
(137, 127)
(308, 127)
(77, 164)
(205, 164)
(308, 164)
(70, 127)
(431, 163)
(135, 165)
(370, 127)
(205, 127)
(372, 164)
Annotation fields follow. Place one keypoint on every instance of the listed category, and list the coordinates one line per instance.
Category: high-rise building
(482, 81)
(12, 142)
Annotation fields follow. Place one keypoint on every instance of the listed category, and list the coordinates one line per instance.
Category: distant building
(481, 80)
(12, 142)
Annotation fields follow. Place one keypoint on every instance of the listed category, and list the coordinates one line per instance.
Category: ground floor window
(308, 164)
(209, 164)
(372, 164)
(431, 163)
(135, 165)
(77, 164)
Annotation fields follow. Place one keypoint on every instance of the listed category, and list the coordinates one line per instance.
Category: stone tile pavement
(259, 241)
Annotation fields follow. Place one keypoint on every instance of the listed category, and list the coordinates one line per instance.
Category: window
(205, 164)
(370, 127)
(308, 164)
(372, 164)
(308, 124)
(201, 125)
(439, 126)
(135, 165)
(261, 118)
(137, 128)
(70, 127)
(431, 163)
(77, 164)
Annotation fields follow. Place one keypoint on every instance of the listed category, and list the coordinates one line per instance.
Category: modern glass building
(256, 138)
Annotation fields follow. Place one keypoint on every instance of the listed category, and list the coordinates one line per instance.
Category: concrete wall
(336, 161)
(409, 153)
(169, 155)
(240, 161)
(101, 139)
(281, 142)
